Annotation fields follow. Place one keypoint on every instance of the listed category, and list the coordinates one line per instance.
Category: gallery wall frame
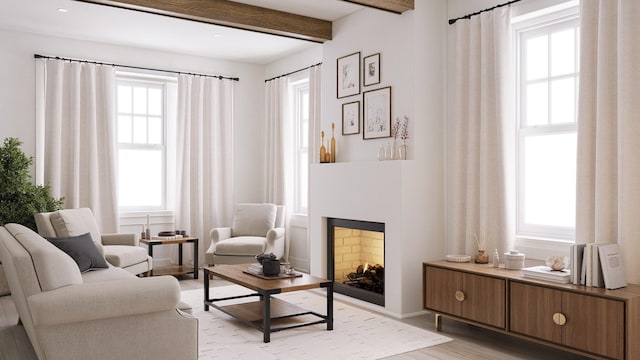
(351, 118)
(348, 75)
(376, 113)
(371, 69)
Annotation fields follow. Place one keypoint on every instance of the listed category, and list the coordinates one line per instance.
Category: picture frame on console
(351, 118)
(348, 75)
(377, 113)
(371, 69)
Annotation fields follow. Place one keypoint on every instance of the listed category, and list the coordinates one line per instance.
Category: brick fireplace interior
(356, 258)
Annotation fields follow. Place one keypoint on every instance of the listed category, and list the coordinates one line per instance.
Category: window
(299, 90)
(547, 53)
(142, 147)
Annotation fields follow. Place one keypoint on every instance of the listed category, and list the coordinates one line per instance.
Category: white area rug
(356, 334)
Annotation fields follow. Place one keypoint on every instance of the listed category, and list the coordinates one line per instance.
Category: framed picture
(377, 113)
(351, 118)
(348, 72)
(371, 68)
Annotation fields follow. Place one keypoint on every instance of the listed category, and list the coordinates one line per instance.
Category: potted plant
(20, 198)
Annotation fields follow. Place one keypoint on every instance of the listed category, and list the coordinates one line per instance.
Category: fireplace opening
(355, 258)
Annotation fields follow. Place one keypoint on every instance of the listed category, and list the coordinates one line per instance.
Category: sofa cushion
(110, 274)
(124, 255)
(74, 222)
(241, 246)
(53, 267)
(253, 219)
(82, 250)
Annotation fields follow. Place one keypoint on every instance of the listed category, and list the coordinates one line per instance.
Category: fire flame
(366, 266)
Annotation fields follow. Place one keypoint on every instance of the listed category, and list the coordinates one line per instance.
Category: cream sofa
(100, 314)
(121, 250)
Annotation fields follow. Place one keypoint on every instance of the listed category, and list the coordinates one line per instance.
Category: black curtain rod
(37, 56)
(293, 72)
(468, 16)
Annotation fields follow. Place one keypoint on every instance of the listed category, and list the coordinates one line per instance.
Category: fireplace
(355, 258)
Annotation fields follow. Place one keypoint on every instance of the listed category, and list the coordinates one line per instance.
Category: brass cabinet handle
(459, 295)
(559, 319)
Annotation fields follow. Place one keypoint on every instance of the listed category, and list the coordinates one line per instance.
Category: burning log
(368, 278)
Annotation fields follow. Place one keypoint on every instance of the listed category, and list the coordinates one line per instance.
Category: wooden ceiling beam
(232, 14)
(396, 6)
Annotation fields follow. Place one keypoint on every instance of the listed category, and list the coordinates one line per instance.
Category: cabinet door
(594, 324)
(440, 290)
(532, 309)
(484, 300)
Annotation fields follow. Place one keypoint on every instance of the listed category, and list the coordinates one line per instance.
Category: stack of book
(597, 265)
(545, 273)
(255, 269)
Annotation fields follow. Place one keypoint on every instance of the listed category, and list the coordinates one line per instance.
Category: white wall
(413, 60)
(17, 93)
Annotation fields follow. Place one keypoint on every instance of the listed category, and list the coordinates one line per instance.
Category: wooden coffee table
(259, 314)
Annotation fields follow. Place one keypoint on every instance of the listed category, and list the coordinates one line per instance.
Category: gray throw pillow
(82, 250)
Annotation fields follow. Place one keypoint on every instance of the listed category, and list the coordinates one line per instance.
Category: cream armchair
(120, 250)
(256, 229)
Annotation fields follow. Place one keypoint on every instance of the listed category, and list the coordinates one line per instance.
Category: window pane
(562, 101)
(140, 130)
(124, 98)
(304, 137)
(550, 180)
(135, 189)
(140, 100)
(537, 57)
(155, 101)
(562, 52)
(124, 128)
(304, 181)
(155, 130)
(537, 104)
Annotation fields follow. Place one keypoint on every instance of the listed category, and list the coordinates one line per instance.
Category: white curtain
(77, 137)
(479, 130)
(315, 112)
(277, 141)
(608, 190)
(204, 144)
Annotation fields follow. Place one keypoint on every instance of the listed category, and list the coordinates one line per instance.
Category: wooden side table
(178, 269)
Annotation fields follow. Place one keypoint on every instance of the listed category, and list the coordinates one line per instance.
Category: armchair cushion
(124, 256)
(253, 219)
(241, 246)
(74, 222)
(82, 250)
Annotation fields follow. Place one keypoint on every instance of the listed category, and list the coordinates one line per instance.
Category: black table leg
(150, 247)
(195, 259)
(266, 321)
(330, 306)
(180, 254)
(206, 289)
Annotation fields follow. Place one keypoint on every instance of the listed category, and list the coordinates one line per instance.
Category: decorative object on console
(557, 263)
(458, 258)
(371, 65)
(482, 257)
(377, 113)
(404, 135)
(351, 118)
(348, 75)
(513, 260)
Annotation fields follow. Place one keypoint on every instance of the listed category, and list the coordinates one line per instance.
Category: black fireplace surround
(355, 292)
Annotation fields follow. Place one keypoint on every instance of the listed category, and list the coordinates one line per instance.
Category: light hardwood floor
(470, 342)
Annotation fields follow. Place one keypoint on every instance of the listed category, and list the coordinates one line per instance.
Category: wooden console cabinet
(599, 323)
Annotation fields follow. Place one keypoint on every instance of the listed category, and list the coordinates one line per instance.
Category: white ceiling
(111, 25)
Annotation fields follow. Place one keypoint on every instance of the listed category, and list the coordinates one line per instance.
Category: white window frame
(537, 240)
(167, 84)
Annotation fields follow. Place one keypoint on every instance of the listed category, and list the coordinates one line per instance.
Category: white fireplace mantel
(390, 192)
